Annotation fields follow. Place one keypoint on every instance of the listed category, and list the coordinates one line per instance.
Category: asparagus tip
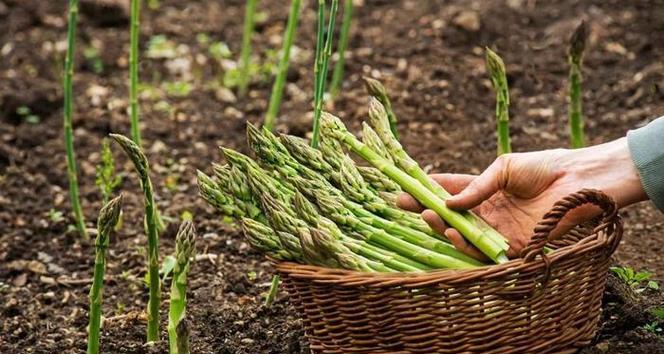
(577, 42)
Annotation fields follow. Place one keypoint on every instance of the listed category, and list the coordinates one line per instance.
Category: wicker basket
(536, 304)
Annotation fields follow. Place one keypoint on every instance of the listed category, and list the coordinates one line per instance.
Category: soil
(429, 55)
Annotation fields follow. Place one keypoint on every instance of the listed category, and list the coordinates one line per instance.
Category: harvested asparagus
(424, 189)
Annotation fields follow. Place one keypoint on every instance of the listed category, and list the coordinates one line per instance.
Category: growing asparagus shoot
(133, 71)
(376, 90)
(142, 167)
(338, 73)
(72, 172)
(282, 70)
(245, 54)
(577, 44)
(323, 52)
(496, 69)
(108, 218)
(185, 248)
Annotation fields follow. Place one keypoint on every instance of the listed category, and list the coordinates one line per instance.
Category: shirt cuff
(646, 146)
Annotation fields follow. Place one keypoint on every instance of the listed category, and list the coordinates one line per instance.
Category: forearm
(608, 167)
(646, 146)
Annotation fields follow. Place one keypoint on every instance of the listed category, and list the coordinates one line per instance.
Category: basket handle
(552, 218)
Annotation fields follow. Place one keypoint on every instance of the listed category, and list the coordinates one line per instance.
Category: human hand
(515, 192)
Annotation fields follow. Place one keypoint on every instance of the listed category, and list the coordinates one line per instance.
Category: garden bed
(429, 56)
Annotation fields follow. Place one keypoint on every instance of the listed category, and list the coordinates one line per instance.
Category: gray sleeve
(646, 145)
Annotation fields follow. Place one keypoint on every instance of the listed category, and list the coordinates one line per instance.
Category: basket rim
(451, 276)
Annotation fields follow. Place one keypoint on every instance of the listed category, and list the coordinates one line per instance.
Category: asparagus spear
(141, 165)
(378, 91)
(577, 44)
(220, 201)
(185, 247)
(308, 212)
(354, 187)
(108, 218)
(377, 180)
(264, 239)
(425, 190)
(496, 69)
(378, 117)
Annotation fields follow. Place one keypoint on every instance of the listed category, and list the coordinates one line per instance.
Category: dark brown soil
(432, 64)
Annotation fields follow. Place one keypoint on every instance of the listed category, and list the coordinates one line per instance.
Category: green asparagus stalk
(245, 53)
(219, 200)
(425, 190)
(185, 247)
(378, 91)
(108, 218)
(72, 173)
(378, 117)
(280, 80)
(336, 211)
(377, 180)
(496, 69)
(133, 70)
(308, 212)
(354, 187)
(323, 52)
(307, 156)
(335, 204)
(264, 239)
(371, 139)
(338, 74)
(318, 184)
(142, 167)
(577, 44)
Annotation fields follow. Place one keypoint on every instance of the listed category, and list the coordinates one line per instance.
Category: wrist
(607, 167)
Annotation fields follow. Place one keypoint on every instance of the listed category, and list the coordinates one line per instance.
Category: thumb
(481, 188)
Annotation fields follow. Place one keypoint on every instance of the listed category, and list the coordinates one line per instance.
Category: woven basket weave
(536, 304)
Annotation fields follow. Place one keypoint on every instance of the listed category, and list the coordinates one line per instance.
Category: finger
(481, 188)
(407, 202)
(452, 182)
(464, 246)
(435, 222)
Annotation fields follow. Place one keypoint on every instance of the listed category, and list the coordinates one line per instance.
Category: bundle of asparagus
(316, 206)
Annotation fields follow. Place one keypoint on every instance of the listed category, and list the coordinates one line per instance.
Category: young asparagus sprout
(133, 70)
(426, 191)
(280, 79)
(185, 247)
(72, 173)
(108, 218)
(577, 44)
(245, 54)
(323, 52)
(142, 167)
(338, 74)
(496, 69)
